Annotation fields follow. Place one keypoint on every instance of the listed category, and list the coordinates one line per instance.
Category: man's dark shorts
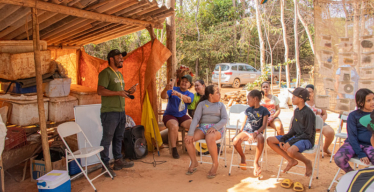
(180, 120)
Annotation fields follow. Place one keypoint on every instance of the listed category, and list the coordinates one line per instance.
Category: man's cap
(188, 77)
(301, 93)
(310, 86)
(113, 53)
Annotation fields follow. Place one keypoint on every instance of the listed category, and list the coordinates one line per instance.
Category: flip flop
(298, 186)
(211, 176)
(193, 171)
(258, 172)
(287, 183)
(243, 164)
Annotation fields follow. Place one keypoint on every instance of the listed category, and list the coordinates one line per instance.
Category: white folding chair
(222, 141)
(339, 135)
(234, 112)
(246, 143)
(72, 128)
(315, 150)
(356, 161)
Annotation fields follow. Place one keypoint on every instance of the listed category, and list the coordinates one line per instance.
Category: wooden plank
(59, 25)
(69, 34)
(12, 18)
(93, 33)
(2, 5)
(132, 7)
(116, 35)
(98, 5)
(8, 10)
(76, 12)
(120, 7)
(107, 36)
(63, 47)
(39, 86)
(105, 33)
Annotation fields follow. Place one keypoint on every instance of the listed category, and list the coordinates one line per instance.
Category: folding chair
(356, 161)
(72, 128)
(315, 150)
(339, 134)
(222, 141)
(234, 112)
(246, 143)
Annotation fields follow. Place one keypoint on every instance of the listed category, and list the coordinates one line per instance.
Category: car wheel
(236, 83)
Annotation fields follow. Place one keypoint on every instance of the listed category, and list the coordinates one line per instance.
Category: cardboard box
(37, 167)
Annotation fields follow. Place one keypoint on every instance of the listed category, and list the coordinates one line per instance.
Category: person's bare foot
(327, 151)
(290, 164)
(192, 166)
(256, 170)
(213, 170)
(309, 168)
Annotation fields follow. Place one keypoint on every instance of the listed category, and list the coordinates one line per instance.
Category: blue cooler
(55, 181)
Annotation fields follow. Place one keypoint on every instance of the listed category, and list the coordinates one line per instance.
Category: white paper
(322, 101)
(367, 59)
(88, 118)
(345, 45)
(366, 73)
(368, 84)
(367, 43)
(346, 87)
(346, 59)
(329, 83)
(326, 41)
(326, 69)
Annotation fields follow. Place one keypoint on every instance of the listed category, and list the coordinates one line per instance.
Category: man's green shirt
(109, 80)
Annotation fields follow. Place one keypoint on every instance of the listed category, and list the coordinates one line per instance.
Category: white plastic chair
(234, 115)
(222, 141)
(72, 128)
(339, 135)
(356, 161)
(315, 150)
(246, 143)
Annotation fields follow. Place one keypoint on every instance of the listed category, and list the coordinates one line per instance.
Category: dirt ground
(170, 176)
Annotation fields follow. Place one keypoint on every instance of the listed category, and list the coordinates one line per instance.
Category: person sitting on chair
(301, 136)
(200, 89)
(211, 116)
(255, 123)
(174, 115)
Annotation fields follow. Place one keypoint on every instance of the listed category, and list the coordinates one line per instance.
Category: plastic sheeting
(139, 66)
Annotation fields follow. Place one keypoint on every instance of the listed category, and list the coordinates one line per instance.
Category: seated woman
(212, 117)
(271, 102)
(173, 116)
(328, 132)
(200, 89)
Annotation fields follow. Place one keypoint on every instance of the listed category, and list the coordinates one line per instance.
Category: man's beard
(118, 64)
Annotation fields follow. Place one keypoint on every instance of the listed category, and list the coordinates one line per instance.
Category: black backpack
(134, 142)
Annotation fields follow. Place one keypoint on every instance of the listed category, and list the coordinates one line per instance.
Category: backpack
(134, 143)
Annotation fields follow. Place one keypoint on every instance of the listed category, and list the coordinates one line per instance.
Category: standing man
(111, 87)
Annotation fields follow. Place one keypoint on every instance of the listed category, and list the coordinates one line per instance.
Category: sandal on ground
(191, 172)
(257, 172)
(298, 186)
(241, 166)
(211, 176)
(287, 183)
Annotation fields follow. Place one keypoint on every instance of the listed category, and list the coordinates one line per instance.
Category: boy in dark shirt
(301, 135)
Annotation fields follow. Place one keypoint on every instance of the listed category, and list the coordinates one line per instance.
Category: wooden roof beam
(104, 39)
(19, 23)
(66, 30)
(76, 12)
(104, 33)
(94, 33)
(71, 33)
(12, 18)
(8, 10)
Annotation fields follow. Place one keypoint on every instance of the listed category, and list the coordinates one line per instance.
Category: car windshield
(223, 68)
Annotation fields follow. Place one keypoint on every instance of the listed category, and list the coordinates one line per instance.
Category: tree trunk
(181, 6)
(171, 43)
(271, 57)
(197, 68)
(261, 39)
(307, 30)
(285, 43)
(298, 70)
(197, 26)
(234, 5)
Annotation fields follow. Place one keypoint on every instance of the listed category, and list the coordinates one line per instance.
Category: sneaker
(119, 164)
(175, 153)
(109, 169)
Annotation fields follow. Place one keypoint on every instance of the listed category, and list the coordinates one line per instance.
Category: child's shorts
(205, 127)
(301, 144)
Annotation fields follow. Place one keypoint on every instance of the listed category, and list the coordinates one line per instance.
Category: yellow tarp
(149, 121)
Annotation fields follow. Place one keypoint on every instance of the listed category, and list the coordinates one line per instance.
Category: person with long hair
(271, 102)
(200, 89)
(211, 116)
(358, 140)
(327, 131)
(255, 124)
(174, 116)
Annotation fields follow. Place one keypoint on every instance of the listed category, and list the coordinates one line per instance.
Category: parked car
(235, 74)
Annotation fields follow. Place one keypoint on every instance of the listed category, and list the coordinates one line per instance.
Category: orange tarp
(139, 66)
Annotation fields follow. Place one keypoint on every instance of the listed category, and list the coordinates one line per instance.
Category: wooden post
(171, 43)
(39, 89)
(219, 77)
(207, 76)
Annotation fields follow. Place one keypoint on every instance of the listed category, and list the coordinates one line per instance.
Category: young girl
(271, 102)
(255, 123)
(358, 141)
